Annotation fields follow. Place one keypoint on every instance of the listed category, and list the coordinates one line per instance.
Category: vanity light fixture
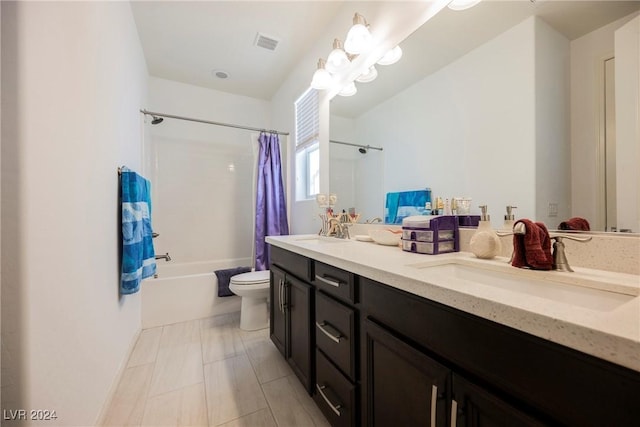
(337, 59)
(348, 90)
(462, 4)
(322, 79)
(368, 76)
(391, 57)
(359, 38)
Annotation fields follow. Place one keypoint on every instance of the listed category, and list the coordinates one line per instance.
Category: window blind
(307, 119)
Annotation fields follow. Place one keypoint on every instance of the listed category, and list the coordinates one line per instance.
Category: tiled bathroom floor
(209, 373)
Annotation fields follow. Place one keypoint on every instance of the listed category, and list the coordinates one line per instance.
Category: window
(307, 147)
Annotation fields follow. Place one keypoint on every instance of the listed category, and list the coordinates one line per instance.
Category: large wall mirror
(507, 103)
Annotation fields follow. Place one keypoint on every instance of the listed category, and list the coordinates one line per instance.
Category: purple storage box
(468, 220)
(430, 234)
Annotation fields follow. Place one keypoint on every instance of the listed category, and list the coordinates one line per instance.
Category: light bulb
(322, 79)
(348, 90)
(368, 76)
(391, 57)
(337, 59)
(359, 38)
(462, 4)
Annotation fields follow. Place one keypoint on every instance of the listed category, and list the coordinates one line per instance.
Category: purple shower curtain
(271, 210)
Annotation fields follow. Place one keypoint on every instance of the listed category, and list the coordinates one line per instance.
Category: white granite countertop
(559, 307)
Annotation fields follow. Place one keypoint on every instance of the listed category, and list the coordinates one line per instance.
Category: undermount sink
(320, 239)
(529, 285)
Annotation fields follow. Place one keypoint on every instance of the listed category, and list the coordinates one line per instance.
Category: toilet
(253, 288)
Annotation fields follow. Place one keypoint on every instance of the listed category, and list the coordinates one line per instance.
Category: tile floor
(208, 372)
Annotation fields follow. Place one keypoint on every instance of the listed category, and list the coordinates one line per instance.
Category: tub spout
(165, 257)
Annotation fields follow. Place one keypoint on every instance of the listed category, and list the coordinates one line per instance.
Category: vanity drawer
(334, 394)
(334, 281)
(335, 333)
(293, 263)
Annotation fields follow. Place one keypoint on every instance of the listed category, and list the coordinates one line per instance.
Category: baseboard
(116, 381)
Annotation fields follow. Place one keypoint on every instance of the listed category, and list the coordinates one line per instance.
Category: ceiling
(187, 41)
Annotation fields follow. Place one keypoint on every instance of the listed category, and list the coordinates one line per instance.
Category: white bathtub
(186, 291)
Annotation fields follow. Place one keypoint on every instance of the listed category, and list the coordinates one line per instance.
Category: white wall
(587, 54)
(203, 176)
(74, 78)
(627, 50)
(552, 144)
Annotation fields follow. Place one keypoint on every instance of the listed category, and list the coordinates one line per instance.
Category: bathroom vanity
(379, 336)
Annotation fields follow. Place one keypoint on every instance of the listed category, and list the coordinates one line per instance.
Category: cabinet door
(277, 325)
(298, 308)
(403, 386)
(473, 406)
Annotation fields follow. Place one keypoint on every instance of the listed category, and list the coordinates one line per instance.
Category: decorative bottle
(509, 218)
(485, 243)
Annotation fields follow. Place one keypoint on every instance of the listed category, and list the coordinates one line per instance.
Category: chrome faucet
(341, 228)
(374, 220)
(165, 257)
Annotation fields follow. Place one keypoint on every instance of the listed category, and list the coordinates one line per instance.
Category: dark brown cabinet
(402, 386)
(299, 312)
(291, 316)
(374, 355)
(277, 321)
(473, 406)
(406, 387)
(336, 332)
(335, 395)
(517, 379)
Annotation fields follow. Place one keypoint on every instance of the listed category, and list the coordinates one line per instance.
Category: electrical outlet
(553, 209)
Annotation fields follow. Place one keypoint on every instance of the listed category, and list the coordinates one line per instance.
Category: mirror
(499, 112)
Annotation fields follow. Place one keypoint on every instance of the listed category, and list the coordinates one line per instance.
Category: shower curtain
(271, 210)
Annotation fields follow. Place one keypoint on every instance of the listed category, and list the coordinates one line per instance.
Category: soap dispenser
(485, 243)
(509, 218)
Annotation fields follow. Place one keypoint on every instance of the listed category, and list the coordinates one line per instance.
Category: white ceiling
(185, 41)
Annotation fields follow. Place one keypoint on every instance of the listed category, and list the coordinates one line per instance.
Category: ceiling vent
(266, 42)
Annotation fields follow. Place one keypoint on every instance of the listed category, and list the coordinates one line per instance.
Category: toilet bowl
(253, 288)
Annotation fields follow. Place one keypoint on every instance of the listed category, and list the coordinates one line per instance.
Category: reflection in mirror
(510, 111)
(353, 173)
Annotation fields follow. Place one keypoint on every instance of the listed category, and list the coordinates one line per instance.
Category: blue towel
(402, 204)
(138, 256)
(224, 276)
(391, 208)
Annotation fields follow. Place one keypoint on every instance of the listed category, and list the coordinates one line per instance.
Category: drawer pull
(334, 408)
(434, 401)
(329, 281)
(324, 327)
(454, 413)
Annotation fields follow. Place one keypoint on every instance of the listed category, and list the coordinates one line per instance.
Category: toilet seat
(251, 278)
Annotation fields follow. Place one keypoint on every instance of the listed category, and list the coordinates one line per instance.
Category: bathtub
(186, 291)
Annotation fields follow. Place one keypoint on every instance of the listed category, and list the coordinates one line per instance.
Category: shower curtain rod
(356, 145)
(171, 116)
